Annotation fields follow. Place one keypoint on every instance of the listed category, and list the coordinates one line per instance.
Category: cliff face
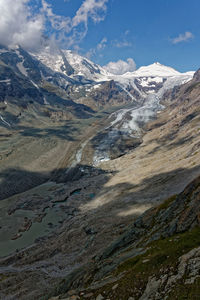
(197, 75)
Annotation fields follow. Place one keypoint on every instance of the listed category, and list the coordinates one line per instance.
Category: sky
(120, 35)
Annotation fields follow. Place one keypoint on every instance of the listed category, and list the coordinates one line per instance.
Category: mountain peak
(158, 64)
(156, 70)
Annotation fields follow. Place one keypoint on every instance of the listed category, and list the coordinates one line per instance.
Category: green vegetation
(169, 248)
(160, 256)
(3, 277)
(166, 203)
(183, 291)
(54, 89)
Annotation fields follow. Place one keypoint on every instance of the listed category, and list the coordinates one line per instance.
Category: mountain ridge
(85, 168)
(82, 81)
(155, 69)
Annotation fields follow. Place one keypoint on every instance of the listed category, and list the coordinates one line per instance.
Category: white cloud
(90, 9)
(124, 41)
(102, 44)
(182, 37)
(99, 47)
(121, 66)
(122, 44)
(70, 31)
(127, 32)
(57, 22)
(18, 25)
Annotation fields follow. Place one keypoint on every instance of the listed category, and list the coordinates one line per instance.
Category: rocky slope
(83, 226)
(158, 256)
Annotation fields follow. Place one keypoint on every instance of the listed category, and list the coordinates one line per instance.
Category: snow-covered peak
(73, 65)
(140, 83)
(154, 70)
(61, 60)
(84, 67)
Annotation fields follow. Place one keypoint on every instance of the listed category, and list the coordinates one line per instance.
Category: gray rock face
(197, 76)
(189, 267)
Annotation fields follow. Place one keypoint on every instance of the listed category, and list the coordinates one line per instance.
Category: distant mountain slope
(70, 63)
(67, 81)
(90, 79)
(26, 83)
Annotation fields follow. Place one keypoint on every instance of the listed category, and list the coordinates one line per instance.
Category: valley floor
(60, 211)
(70, 220)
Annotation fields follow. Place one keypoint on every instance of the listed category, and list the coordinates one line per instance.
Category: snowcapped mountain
(137, 84)
(64, 78)
(154, 70)
(71, 64)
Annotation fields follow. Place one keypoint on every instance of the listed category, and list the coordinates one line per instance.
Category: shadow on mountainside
(15, 180)
(129, 199)
(94, 227)
(64, 132)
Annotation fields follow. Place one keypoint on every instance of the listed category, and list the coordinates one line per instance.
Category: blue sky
(143, 30)
(167, 31)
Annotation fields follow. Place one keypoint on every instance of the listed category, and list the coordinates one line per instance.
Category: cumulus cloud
(182, 37)
(18, 25)
(120, 67)
(90, 9)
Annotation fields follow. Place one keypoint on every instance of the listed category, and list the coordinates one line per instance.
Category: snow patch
(4, 121)
(20, 65)
(5, 81)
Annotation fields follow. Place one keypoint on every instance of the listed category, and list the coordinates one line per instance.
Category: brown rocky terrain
(99, 205)
(107, 94)
(156, 258)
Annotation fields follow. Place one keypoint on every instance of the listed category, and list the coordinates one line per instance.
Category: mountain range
(64, 75)
(99, 179)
